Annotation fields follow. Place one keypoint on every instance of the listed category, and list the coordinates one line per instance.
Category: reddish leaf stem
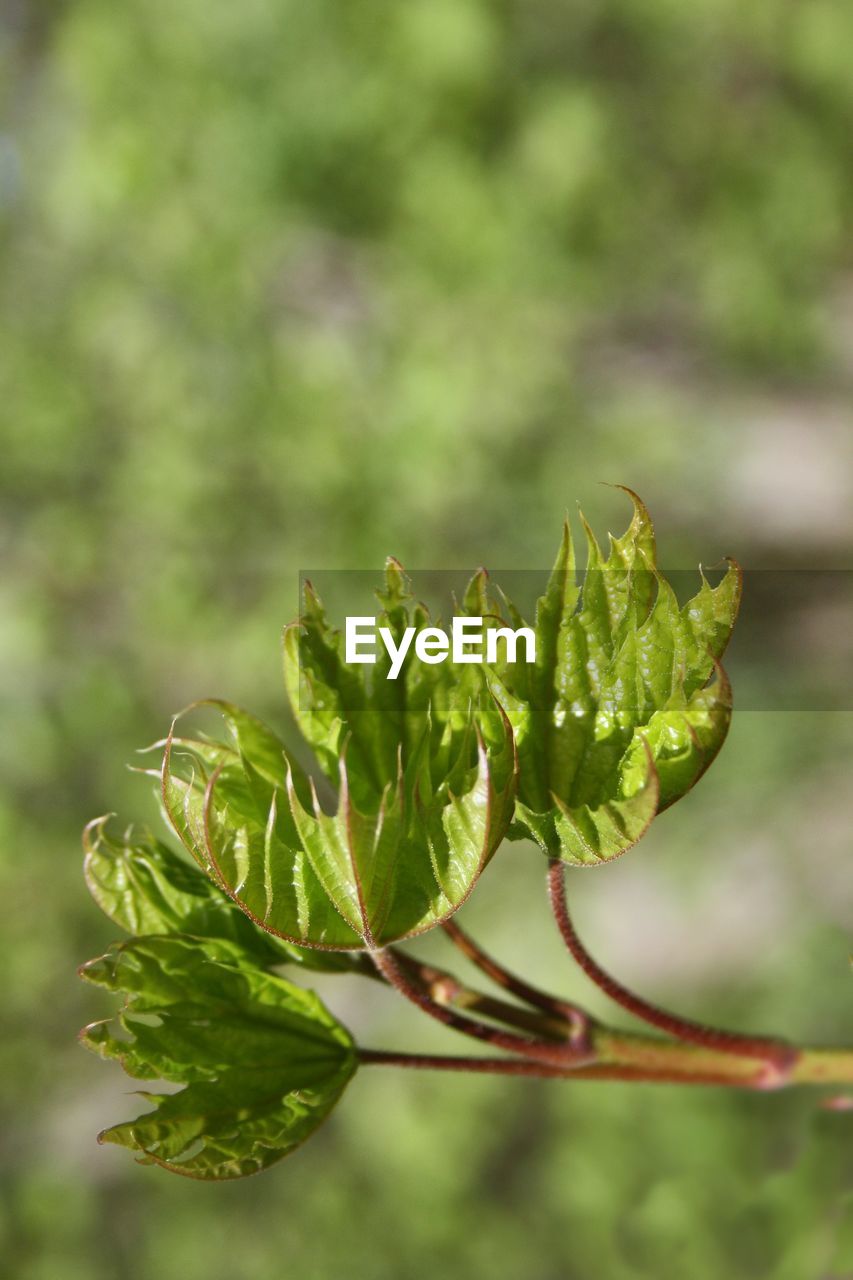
(779, 1057)
(578, 1019)
(538, 1050)
(445, 989)
(443, 1062)
(547, 1071)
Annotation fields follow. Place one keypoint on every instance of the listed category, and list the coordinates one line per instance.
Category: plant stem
(702, 1057)
(643, 1059)
(779, 1057)
(699, 1055)
(446, 1062)
(446, 989)
(539, 1050)
(546, 1071)
(826, 1065)
(578, 1019)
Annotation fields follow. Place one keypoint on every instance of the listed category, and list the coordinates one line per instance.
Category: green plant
(423, 777)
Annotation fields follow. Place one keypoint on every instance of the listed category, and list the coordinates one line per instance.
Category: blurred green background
(302, 284)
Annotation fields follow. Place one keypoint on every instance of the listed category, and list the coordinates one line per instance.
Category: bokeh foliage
(288, 284)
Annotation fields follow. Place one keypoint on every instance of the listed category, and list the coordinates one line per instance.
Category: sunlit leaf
(145, 887)
(626, 705)
(381, 866)
(262, 1062)
(383, 721)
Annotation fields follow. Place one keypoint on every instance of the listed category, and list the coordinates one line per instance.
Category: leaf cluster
(417, 782)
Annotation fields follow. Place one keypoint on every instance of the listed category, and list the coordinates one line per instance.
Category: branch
(444, 988)
(779, 1057)
(643, 1059)
(542, 1070)
(578, 1019)
(539, 1050)
(699, 1056)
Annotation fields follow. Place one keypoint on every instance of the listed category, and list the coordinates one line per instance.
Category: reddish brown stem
(442, 1062)
(547, 1071)
(579, 1021)
(446, 989)
(538, 1050)
(778, 1056)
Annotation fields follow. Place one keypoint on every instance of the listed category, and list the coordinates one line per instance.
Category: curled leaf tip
(95, 825)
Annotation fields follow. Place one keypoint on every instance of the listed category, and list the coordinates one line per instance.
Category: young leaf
(382, 721)
(384, 867)
(146, 888)
(617, 719)
(262, 1062)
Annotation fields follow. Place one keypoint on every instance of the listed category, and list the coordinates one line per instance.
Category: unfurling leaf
(145, 887)
(617, 719)
(262, 1062)
(427, 713)
(386, 864)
